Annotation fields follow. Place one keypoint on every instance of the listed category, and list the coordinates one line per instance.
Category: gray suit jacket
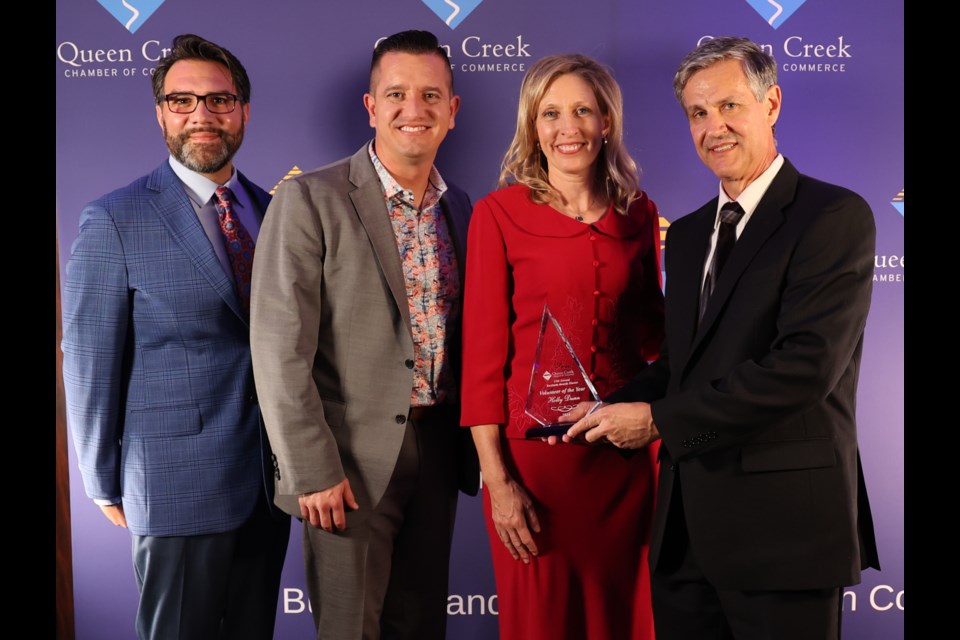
(330, 330)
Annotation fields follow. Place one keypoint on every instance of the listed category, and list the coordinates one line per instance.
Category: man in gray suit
(355, 337)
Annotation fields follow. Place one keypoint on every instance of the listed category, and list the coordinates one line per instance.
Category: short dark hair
(190, 47)
(412, 41)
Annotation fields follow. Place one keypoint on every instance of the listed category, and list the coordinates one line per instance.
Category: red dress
(602, 282)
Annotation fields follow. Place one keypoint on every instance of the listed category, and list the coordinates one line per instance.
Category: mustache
(185, 134)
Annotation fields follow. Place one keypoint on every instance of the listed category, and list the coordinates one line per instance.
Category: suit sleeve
(651, 383)
(652, 291)
(284, 328)
(823, 309)
(486, 322)
(96, 314)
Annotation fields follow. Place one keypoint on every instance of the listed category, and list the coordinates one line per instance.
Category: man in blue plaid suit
(157, 368)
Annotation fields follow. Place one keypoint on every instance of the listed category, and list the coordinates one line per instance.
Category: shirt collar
(200, 189)
(750, 197)
(392, 188)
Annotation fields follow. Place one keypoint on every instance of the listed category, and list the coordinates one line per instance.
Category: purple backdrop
(308, 63)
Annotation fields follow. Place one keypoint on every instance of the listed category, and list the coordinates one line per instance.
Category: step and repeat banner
(841, 70)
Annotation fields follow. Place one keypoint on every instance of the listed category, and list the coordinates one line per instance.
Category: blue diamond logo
(452, 12)
(775, 12)
(132, 14)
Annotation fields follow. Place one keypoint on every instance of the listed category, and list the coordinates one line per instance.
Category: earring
(604, 139)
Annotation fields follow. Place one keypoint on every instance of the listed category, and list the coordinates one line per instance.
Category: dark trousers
(686, 606)
(385, 576)
(221, 586)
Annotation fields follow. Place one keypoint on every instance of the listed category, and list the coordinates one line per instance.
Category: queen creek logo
(293, 173)
(897, 202)
(774, 12)
(452, 13)
(131, 13)
(664, 225)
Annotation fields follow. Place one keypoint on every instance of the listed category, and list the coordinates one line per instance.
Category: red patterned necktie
(238, 243)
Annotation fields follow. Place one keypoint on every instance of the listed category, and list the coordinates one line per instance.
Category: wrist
(496, 481)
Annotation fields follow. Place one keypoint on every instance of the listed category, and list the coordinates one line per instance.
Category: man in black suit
(762, 516)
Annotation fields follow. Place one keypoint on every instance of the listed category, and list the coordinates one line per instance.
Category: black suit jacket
(756, 406)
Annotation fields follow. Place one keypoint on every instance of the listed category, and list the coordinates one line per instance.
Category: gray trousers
(385, 576)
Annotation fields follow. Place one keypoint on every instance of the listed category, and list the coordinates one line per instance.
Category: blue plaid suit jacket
(156, 366)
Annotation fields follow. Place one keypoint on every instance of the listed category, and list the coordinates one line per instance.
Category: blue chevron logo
(452, 12)
(132, 14)
(775, 12)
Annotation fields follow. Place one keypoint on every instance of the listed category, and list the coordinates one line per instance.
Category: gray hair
(758, 66)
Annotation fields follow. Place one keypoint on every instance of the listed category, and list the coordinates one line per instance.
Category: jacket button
(253, 398)
(409, 363)
(401, 419)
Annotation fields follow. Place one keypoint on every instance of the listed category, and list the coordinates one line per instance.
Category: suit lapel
(766, 219)
(685, 274)
(454, 207)
(173, 208)
(368, 201)
(261, 197)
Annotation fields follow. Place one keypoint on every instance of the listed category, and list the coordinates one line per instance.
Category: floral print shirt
(432, 280)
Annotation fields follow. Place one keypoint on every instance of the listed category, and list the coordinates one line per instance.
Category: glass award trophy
(558, 382)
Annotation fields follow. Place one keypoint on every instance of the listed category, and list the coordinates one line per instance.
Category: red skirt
(590, 579)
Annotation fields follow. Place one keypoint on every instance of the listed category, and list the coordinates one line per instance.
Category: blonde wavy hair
(617, 176)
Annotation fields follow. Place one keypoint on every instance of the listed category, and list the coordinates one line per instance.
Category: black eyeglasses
(188, 102)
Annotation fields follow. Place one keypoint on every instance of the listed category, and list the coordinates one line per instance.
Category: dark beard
(206, 157)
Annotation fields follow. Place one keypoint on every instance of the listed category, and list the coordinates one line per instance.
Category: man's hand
(325, 509)
(572, 416)
(626, 425)
(513, 518)
(114, 513)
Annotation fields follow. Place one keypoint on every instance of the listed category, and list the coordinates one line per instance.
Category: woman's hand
(511, 507)
(514, 518)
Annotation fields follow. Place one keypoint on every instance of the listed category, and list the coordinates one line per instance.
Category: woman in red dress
(568, 523)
